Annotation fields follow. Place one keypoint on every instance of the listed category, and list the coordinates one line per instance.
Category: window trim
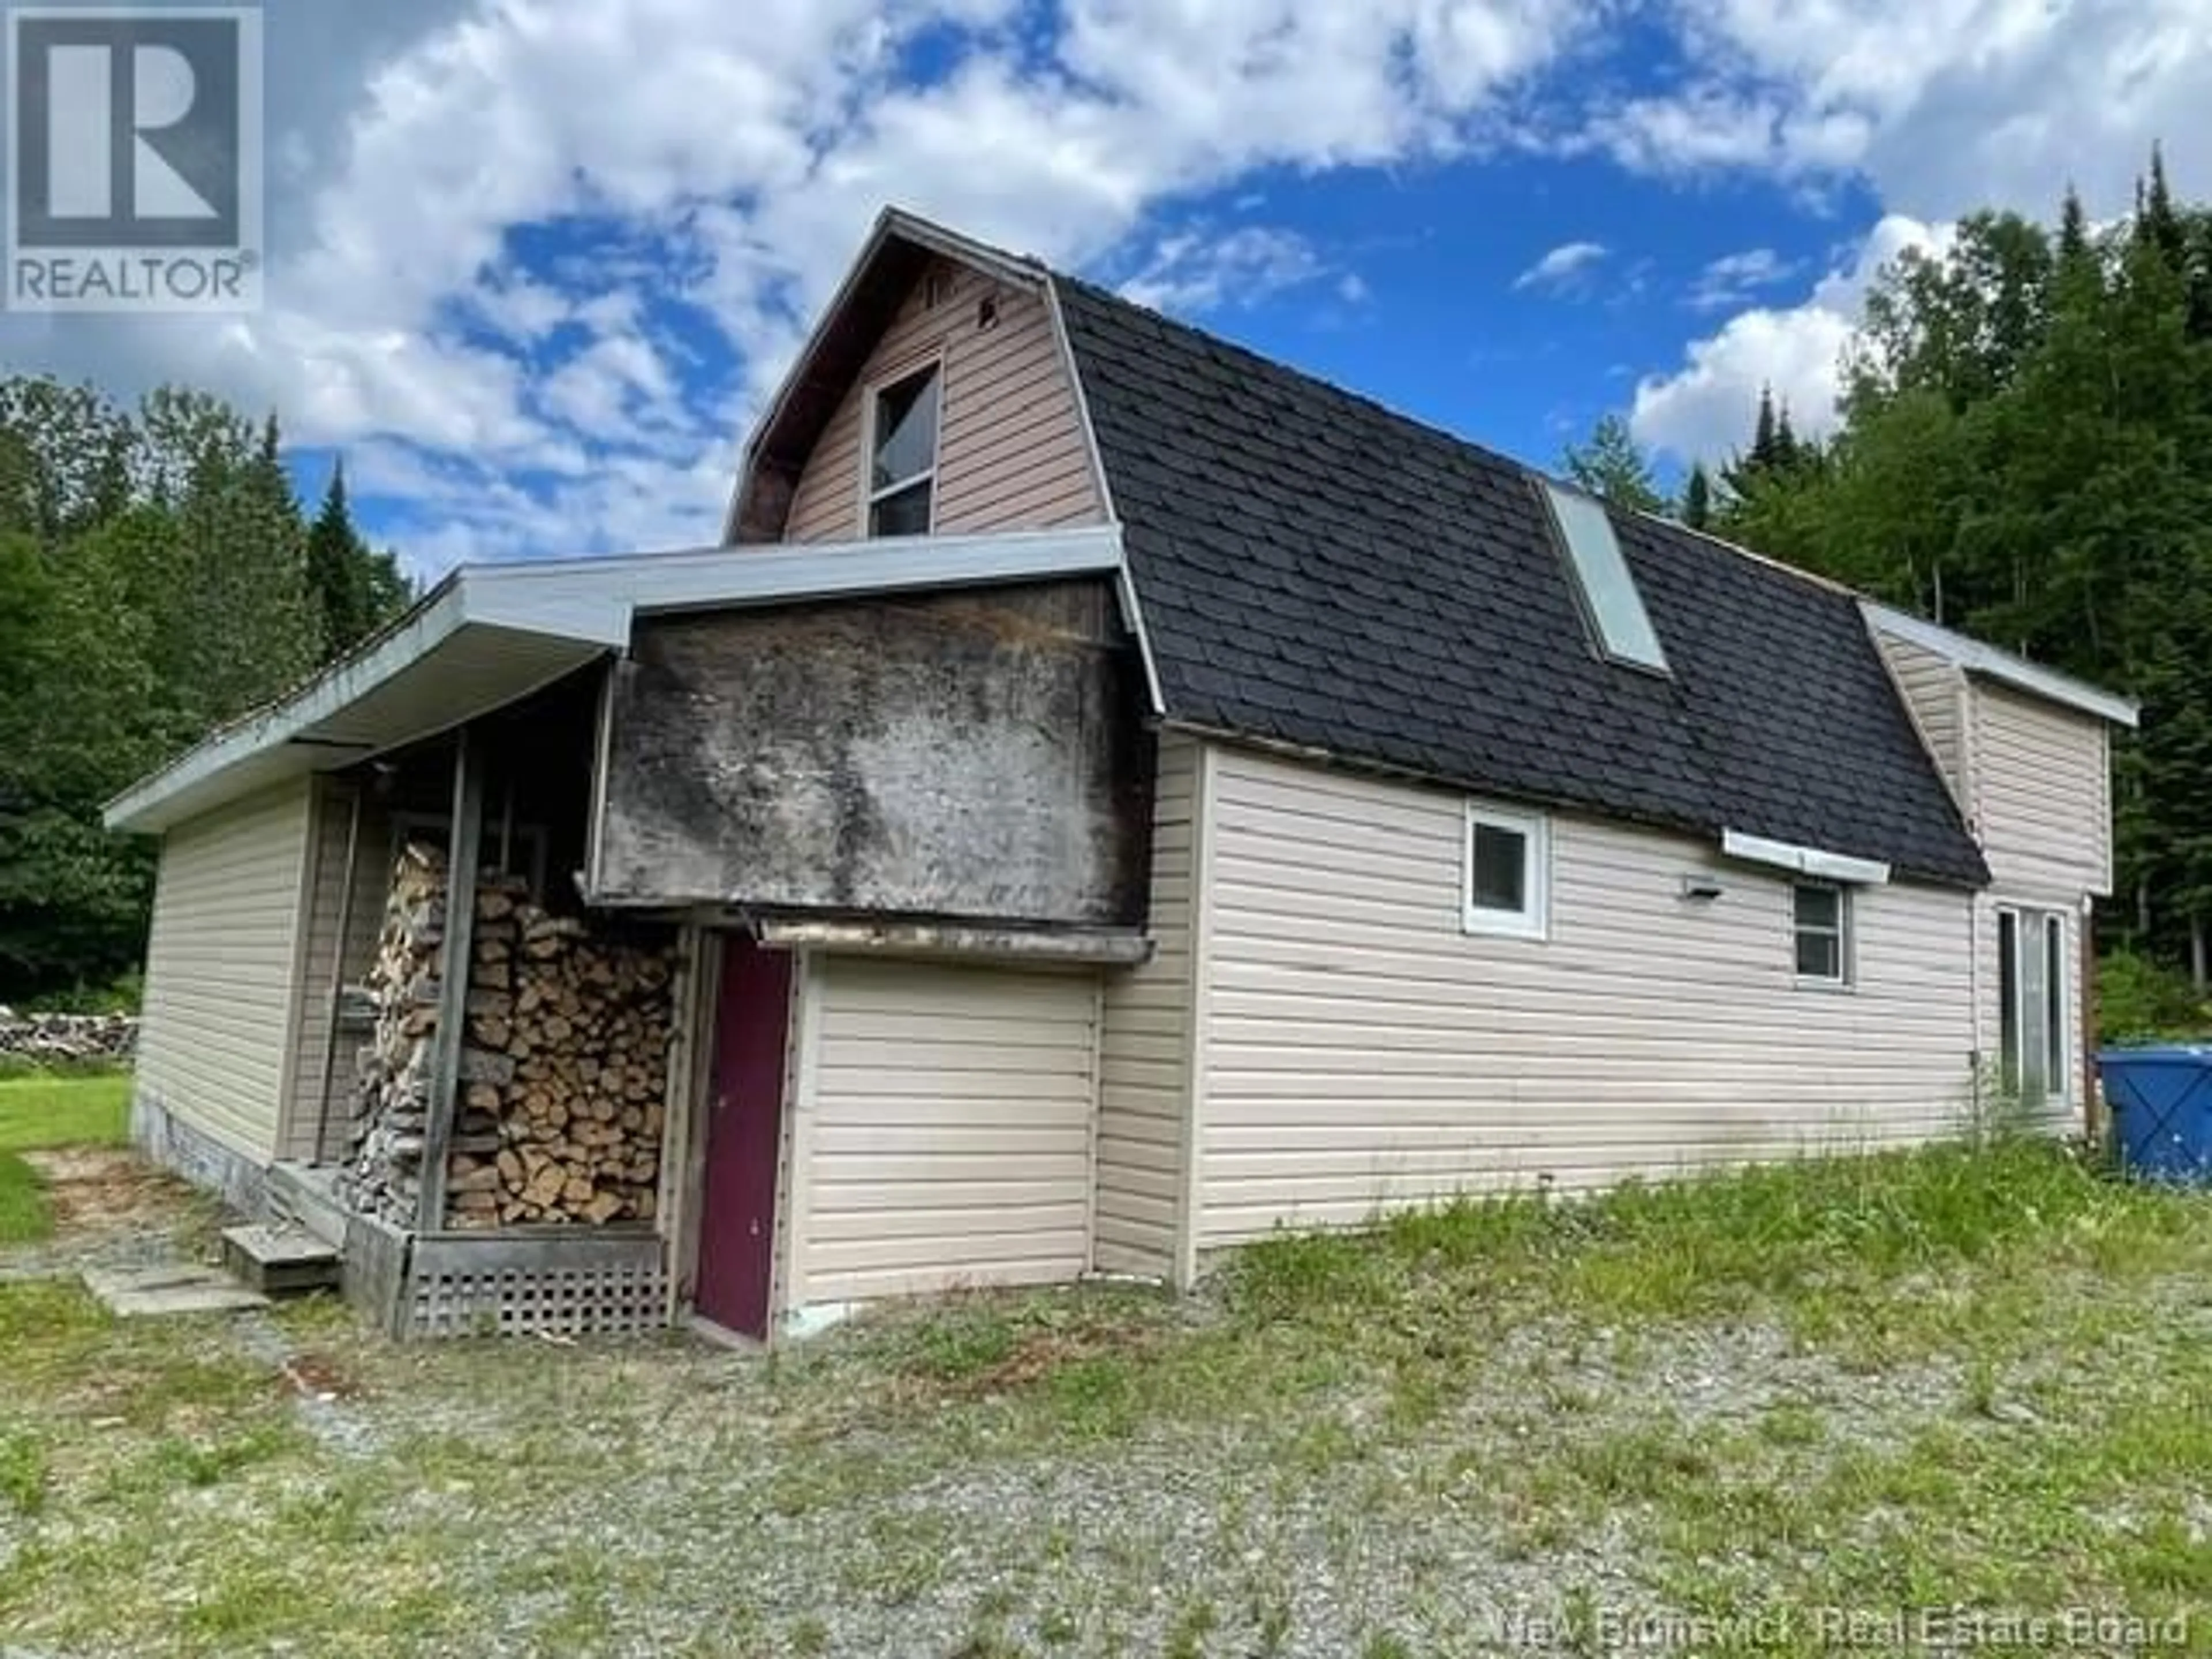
(2057, 1040)
(1532, 920)
(872, 391)
(2012, 1036)
(1845, 933)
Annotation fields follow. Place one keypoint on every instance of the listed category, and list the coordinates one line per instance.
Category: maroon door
(737, 1223)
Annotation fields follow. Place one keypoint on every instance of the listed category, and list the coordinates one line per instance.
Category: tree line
(158, 576)
(2025, 453)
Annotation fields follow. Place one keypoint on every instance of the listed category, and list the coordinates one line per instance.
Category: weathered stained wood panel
(970, 756)
(1011, 449)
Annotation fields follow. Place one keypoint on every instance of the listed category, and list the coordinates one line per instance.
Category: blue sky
(535, 263)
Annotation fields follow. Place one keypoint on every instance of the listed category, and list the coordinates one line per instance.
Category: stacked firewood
(383, 1174)
(563, 1071)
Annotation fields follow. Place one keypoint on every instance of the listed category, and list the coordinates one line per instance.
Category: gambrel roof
(1316, 571)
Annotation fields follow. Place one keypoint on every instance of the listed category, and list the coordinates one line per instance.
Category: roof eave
(1974, 656)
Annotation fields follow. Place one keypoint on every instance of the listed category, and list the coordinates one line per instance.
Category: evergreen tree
(1765, 432)
(2027, 454)
(1697, 498)
(2073, 229)
(1612, 466)
(1787, 453)
(2158, 224)
(153, 580)
(356, 589)
(333, 555)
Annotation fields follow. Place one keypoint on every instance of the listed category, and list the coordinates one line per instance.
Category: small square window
(1822, 916)
(1506, 858)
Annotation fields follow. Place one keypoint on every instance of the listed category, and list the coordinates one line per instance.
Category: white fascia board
(1804, 860)
(596, 598)
(1975, 657)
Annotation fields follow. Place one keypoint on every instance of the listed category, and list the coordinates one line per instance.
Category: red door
(736, 1224)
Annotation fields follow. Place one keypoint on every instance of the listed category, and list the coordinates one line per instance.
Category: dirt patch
(1039, 1353)
(107, 1190)
(317, 1376)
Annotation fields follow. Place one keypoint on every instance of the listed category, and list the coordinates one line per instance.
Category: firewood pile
(563, 1071)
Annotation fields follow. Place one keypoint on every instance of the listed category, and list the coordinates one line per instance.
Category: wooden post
(322, 1154)
(463, 854)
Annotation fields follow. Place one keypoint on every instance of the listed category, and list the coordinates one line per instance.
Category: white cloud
(727, 159)
(693, 165)
(1943, 105)
(1703, 410)
(1194, 270)
(1564, 268)
(1735, 278)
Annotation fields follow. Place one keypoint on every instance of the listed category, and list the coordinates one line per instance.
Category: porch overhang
(490, 635)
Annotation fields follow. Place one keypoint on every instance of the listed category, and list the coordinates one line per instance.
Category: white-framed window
(2032, 983)
(1822, 919)
(901, 452)
(1508, 874)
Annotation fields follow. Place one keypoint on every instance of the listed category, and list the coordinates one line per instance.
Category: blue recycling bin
(2161, 1100)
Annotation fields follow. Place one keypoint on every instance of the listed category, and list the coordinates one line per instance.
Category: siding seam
(1097, 1110)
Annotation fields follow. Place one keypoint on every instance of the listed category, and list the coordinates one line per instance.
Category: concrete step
(280, 1261)
(181, 1288)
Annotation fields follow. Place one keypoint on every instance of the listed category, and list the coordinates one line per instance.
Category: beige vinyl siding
(1935, 691)
(949, 1135)
(333, 819)
(1011, 453)
(1360, 1050)
(2042, 800)
(220, 963)
(1144, 1049)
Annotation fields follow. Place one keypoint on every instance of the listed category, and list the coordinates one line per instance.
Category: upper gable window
(1610, 602)
(902, 454)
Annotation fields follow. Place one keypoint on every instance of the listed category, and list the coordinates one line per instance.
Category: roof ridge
(1432, 429)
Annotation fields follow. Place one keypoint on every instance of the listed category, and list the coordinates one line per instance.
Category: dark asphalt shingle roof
(1315, 569)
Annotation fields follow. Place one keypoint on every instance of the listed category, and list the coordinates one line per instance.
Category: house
(1111, 796)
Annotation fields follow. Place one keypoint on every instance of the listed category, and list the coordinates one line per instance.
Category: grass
(45, 1111)
(1954, 1376)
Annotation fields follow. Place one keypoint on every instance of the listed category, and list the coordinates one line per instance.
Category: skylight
(1610, 602)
